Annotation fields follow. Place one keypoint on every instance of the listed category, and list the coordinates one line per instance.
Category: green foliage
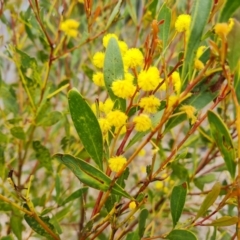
(166, 168)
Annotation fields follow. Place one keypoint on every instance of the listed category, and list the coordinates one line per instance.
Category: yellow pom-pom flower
(198, 64)
(94, 107)
(117, 163)
(123, 47)
(172, 100)
(98, 79)
(104, 125)
(107, 37)
(133, 58)
(123, 88)
(116, 118)
(98, 59)
(149, 104)
(108, 106)
(183, 22)
(129, 77)
(149, 80)
(132, 205)
(70, 27)
(142, 123)
(176, 81)
(159, 185)
(189, 110)
(223, 29)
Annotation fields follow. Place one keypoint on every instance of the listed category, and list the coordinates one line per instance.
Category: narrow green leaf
(42, 155)
(16, 225)
(114, 13)
(181, 235)
(90, 175)
(237, 82)
(229, 8)
(18, 132)
(50, 119)
(75, 195)
(177, 201)
(223, 221)
(87, 126)
(223, 140)
(37, 227)
(233, 53)
(113, 69)
(131, 6)
(164, 14)
(209, 200)
(132, 236)
(201, 12)
(142, 221)
(2, 163)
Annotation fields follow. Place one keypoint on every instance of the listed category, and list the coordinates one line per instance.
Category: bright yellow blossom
(176, 81)
(222, 29)
(107, 37)
(70, 27)
(98, 59)
(122, 131)
(117, 118)
(198, 64)
(129, 77)
(159, 185)
(189, 110)
(133, 58)
(94, 108)
(149, 80)
(98, 79)
(117, 163)
(123, 88)
(104, 125)
(132, 205)
(108, 105)
(142, 123)
(142, 152)
(183, 22)
(123, 46)
(172, 100)
(149, 104)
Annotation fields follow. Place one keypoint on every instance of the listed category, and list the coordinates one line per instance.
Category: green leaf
(113, 69)
(75, 195)
(90, 175)
(209, 200)
(179, 171)
(181, 235)
(87, 126)
(223, 221)
(229, 8)
(131, 6)
(201, 12)
(114, 13)
(3, 138)
(233, 53)
(2, 163)
(201, 181)
(177, 201)
(223, 140)
(37, 227)
(42, 155)
(16, 225)
(18, 132)
(165, 14)
(237, 82)
(132, 236)
(142, 221)
(49, 119)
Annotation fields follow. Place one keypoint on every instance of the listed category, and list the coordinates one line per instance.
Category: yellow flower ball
(132, 205)
(70, 27)
(107, 37)
(98, 79)
(133, 58)
(149, 104)
(190, 111)
(123, 47)
(117, 118)
(149, 80)
(198, 64)
(222, 29)
(117, 163)
(104, 125)
(142, 123)
(108, 105)
(98, 59)
(123, 88)
(183, 22)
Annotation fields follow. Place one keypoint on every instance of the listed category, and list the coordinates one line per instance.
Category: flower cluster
(70, 27)
(117, 163)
